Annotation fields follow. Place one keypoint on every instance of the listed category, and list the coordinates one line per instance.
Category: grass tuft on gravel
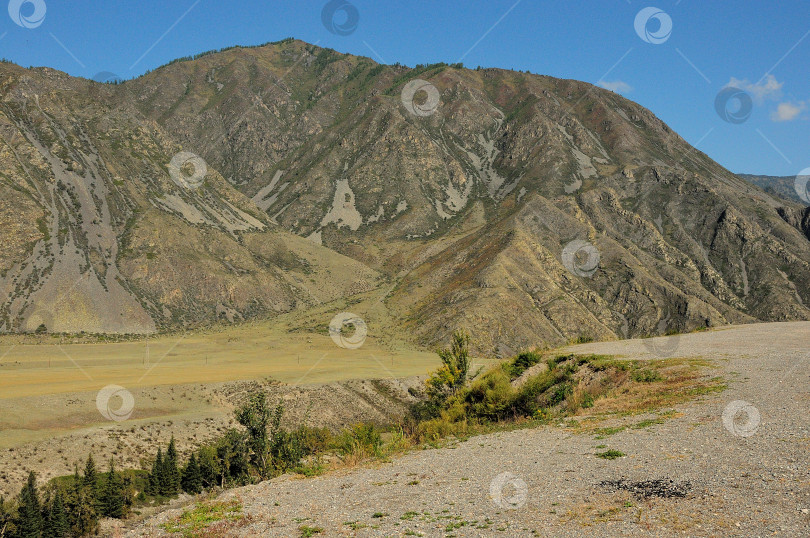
(610, 454)
(192, 523)
(308, 532)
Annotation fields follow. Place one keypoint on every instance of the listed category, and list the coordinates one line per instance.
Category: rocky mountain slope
(525, 208)
(99, 238)
(783, 186)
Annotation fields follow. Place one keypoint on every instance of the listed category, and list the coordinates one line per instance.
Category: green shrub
(560, 393)
(521, 363)
(490, 396)
(286, 451)
(646, 376)
(360, 440)
(313, 440)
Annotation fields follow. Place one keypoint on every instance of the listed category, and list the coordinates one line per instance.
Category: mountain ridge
(466, 201)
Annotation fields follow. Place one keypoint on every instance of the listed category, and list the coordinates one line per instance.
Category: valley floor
(744, 477)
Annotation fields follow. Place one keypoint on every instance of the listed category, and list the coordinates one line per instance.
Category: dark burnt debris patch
(664, 488)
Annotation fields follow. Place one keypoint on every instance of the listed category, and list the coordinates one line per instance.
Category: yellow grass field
(240, 353)
(182, 385)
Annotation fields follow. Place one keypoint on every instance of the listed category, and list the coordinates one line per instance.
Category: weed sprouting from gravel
(307, 531)
(610, 454)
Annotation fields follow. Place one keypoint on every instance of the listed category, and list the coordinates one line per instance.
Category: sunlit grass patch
(197, 521)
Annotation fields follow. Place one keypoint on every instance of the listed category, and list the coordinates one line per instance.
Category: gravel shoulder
(744, 477)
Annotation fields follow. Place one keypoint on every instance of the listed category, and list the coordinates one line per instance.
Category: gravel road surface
(697, 474)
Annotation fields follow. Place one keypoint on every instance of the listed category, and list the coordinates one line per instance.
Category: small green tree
(254, 415)
(452, 375)
(171, 471)
(57, 520)
(90, 479)
(192, 477)
(234, 458)
(81, 506)
(84, 516)
(155, 476)
(127, 492)
(112, 498)
(29, 521)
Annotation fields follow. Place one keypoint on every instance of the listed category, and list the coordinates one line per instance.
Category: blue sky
(762, 48)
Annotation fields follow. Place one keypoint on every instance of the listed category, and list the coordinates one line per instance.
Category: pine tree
(46, 514)
(90, 473)
(192, 477)
(29, 514)
(128, 493)
(172, 471)
(90, 479)
(112, 499)
(84, 514)
(155, 482)
(58, 526)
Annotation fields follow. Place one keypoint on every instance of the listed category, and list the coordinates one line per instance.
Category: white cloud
(618, 86)
(787, 111)
(768, 88)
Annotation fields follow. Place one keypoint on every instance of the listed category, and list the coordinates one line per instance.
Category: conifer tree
(29, 521)
(45, 505)
(112, 499)
(155, 482)
(172, 485)
(58, 526)
(192, 476)
(84, 516)
(90, 479)
(90, 473)
(127, 492)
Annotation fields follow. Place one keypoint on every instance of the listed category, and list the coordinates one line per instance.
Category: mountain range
(255, 181)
